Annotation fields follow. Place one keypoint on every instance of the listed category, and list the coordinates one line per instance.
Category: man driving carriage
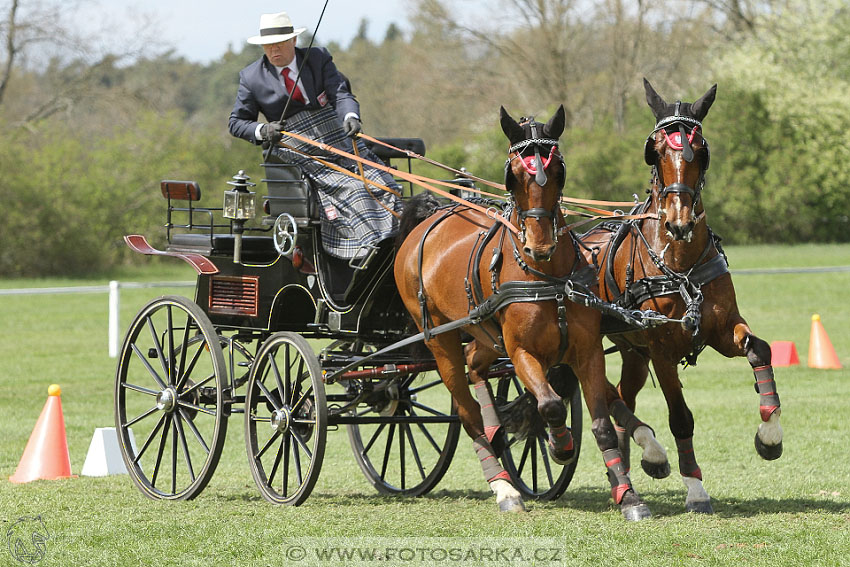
(301, 91)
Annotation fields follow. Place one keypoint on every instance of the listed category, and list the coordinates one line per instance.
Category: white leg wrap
(770, 432)
(653, 452)
(696, 492)
(503, 490)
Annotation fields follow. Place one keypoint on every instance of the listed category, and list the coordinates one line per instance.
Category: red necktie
(291, 88)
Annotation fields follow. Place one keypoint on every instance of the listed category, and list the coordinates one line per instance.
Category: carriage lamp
(239, 206)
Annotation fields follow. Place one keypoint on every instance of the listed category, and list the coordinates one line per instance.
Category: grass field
(794, 511)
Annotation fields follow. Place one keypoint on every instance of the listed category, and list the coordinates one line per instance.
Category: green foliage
(86, 144)
(785, 175)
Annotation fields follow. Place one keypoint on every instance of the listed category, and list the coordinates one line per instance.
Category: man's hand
(271, 134)
(352, 126)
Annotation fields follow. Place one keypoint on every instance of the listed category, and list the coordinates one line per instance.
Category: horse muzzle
(540, 255)
(680, 231)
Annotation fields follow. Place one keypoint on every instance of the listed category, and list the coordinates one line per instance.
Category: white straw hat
(275, 28)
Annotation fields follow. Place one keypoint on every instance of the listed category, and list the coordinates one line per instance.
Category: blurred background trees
(87, 136)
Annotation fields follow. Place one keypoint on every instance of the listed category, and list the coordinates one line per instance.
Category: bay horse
(673, 263)
(502, 283)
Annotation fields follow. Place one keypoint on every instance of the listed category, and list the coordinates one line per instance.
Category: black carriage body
(195, 361)
(278, 297)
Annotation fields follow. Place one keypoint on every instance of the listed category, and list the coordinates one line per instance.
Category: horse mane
(416, 209)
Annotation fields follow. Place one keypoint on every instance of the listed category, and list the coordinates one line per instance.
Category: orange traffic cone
(783, 353)
(821, 353)
(46, 453)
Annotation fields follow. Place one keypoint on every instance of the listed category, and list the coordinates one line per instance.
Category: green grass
(794, 511)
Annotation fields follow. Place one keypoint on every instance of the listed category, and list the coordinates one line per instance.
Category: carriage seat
(288, 192)
(255, 249)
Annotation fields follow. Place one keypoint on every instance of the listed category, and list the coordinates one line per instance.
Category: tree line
(88, 137)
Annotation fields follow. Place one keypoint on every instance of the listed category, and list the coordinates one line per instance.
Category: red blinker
(674, 140)
(531, 167)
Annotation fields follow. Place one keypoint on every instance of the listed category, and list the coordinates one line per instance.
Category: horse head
(534, 177)
(679, 155)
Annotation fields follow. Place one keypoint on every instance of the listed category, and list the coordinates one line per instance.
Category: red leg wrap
(687, 461)
(616, 474)
(766, 388)
(492, 424)
(489, 463)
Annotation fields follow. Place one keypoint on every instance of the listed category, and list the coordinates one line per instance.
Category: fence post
(114, 305)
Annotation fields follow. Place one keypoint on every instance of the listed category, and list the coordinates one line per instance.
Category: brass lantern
(239, 206)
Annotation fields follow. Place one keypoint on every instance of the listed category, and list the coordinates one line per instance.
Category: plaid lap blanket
(352, 216)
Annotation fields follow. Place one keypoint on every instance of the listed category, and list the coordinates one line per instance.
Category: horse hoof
(636, 512)
(699, 507)
(768, 452)
(512, 505)
(564, 458)
(656, 470)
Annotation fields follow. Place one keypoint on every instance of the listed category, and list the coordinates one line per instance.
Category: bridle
(535, 166)
(680, 140)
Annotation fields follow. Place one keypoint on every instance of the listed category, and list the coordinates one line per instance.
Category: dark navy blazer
(261, 90)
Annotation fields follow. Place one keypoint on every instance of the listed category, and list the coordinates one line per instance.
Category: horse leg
(448, 353)
(768, 439)
(681, 422)
(591, 372)
(632, 379)
(550, 405)
(478, 362)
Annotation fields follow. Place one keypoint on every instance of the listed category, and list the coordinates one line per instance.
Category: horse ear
(655, 102)
(555, 127)
(701, 106)
(512, 130)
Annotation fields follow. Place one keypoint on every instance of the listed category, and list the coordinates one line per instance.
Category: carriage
(299, 343)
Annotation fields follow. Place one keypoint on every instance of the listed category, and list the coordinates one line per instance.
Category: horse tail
(416, 209)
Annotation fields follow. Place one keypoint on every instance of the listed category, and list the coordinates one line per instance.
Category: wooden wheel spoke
(140, 417)
(297, 405)
(524, 456)
(172, 378)
(268, 395)
(158, 348)
(139, 389)
(276, 463)
(149, 439)
(268, 444)
(373, 439)
(188, 372)
(185, 446)
(300, 442)
(147, 365)
(281, 386)
(544, 456)
(428, 409)
(194, 429)
(387, 450)
(196, 386)
(285, 445)
(297, 458)
(196, 407)
(174, 442)
(162, 442)
(414, 450)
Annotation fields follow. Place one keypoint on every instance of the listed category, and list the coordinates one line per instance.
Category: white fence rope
(114, 287)
(114, 333)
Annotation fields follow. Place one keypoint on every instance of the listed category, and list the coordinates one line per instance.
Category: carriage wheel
(169, 399)
(526, 457)
(409, 458)
(286, 419)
